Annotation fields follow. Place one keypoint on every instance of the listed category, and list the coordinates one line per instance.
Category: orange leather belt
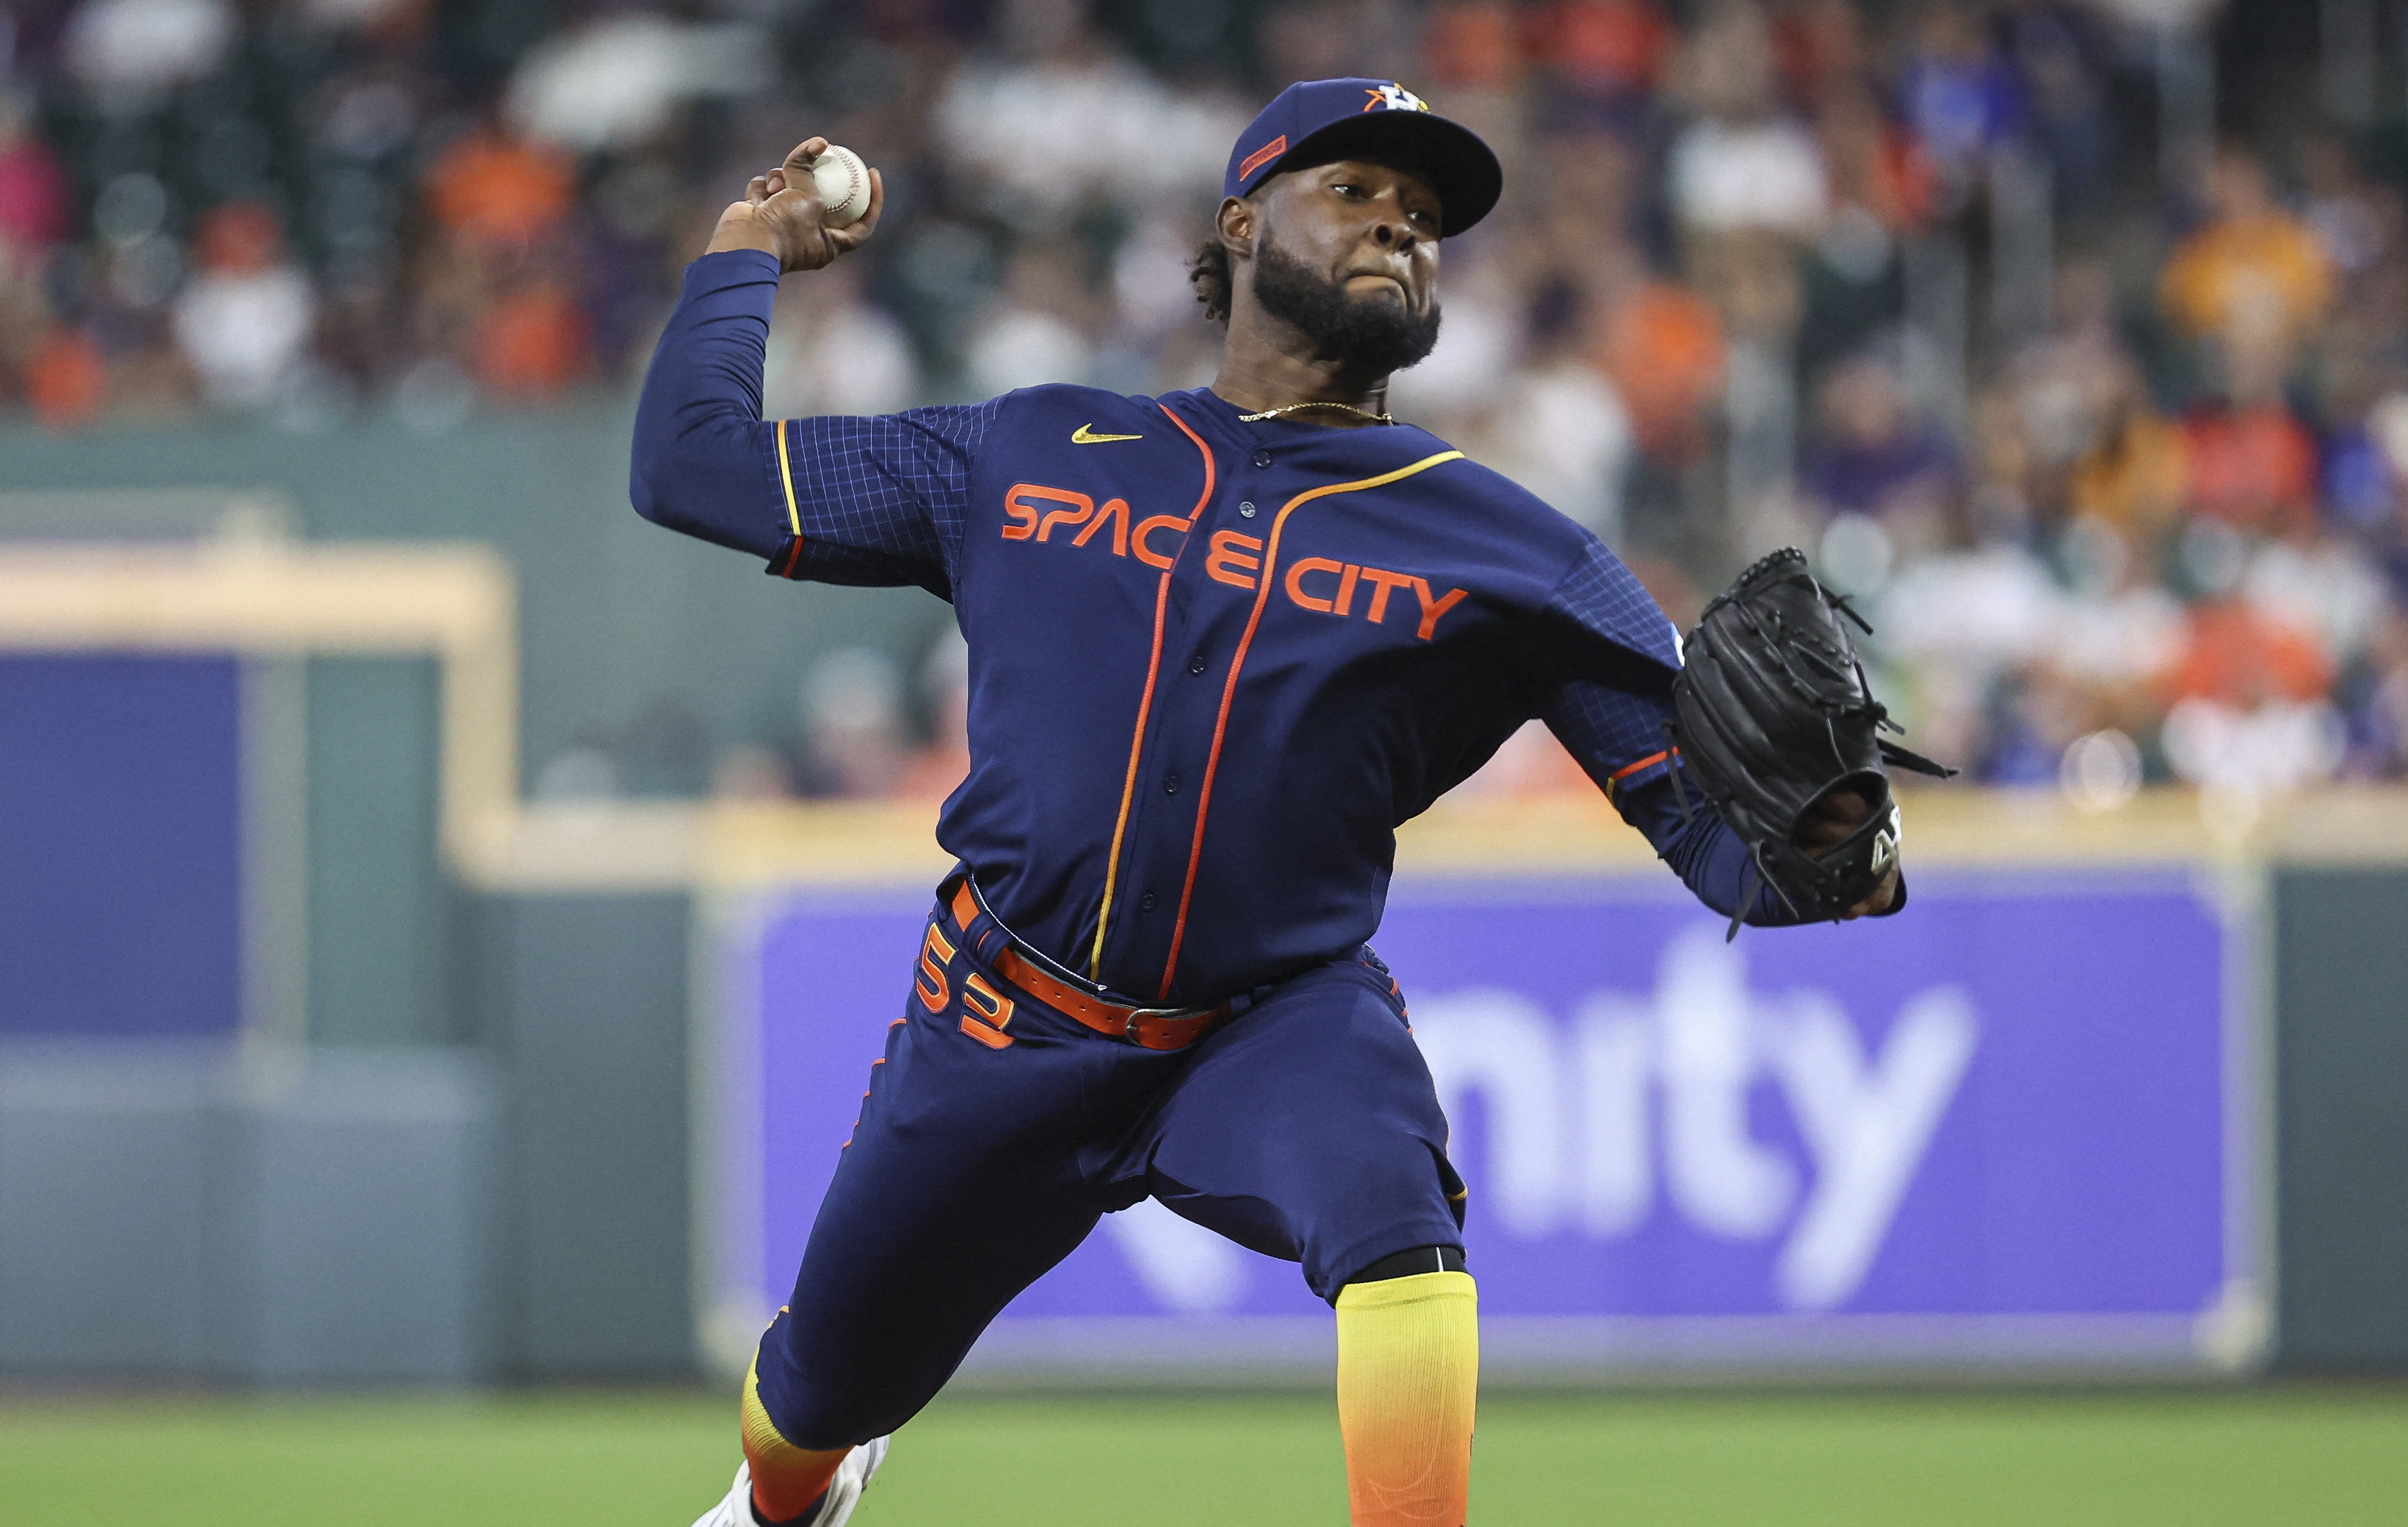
(1153, 1028)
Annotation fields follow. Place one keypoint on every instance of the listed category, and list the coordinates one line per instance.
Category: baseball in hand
(843, 183)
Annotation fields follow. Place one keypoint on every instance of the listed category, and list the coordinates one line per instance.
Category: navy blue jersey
(1213, 662)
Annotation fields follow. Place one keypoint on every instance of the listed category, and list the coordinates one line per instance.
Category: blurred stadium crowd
(2106, 427)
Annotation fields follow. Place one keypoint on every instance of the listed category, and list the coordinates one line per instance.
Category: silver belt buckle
(1135, 1013)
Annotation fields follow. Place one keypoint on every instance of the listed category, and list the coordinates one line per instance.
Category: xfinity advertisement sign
(2003, 1127)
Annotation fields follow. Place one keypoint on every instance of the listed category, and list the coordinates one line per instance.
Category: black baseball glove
(1774, 719)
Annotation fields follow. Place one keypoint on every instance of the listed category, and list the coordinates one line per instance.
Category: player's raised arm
(864, 501)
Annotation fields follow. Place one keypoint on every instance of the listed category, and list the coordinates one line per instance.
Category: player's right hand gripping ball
(1774, 715)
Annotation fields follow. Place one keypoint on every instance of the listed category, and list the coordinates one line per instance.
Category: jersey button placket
(1160, 836)
(1209, 696)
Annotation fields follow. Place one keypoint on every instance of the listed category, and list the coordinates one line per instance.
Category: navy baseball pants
(999, 1129)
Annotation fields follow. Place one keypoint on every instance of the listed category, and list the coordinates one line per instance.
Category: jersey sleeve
(1601, 601)
(1615, 654)
(866, 498)
(840, 500)
(1616, 735)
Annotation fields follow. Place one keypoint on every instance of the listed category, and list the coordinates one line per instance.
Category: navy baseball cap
(1316, 120)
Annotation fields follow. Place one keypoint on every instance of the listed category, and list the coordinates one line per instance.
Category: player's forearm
(1604, 727)
(700, 463)
(1706, 854)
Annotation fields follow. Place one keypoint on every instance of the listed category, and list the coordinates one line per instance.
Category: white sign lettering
(1570, 1111)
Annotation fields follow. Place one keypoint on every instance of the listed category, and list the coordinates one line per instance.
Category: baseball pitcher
(1222, 643)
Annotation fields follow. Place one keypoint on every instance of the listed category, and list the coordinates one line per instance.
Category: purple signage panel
(121, 845)
(2003, 1126)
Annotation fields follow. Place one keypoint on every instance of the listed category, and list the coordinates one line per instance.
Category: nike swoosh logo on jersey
(1080, 436)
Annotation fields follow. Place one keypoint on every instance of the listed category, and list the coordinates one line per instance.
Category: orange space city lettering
(1234, 558)
(1033, 512)
(1339, 582)
(1029, 520)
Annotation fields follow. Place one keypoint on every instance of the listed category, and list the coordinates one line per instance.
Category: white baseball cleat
(853, 1477)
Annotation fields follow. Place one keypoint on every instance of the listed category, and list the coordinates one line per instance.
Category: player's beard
(1378, 336)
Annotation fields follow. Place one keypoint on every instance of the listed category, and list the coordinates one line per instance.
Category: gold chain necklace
(1291, 407)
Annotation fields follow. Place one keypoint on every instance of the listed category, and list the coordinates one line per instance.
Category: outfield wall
(448, 1095)
(583, 1232)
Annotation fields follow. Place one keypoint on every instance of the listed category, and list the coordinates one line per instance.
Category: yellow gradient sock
(1408, 1376)
(786, 1480)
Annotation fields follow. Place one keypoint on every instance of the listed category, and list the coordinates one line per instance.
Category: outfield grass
(2326, 1457)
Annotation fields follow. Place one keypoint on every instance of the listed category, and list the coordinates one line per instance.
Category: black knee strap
(1421, 1259)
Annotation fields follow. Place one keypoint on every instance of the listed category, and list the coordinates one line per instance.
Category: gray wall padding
(378, 925)
(187, 1213)
(105, 1172)
(367, 1194)
(359, 1214)
(2341, 1088)
(585, 1000)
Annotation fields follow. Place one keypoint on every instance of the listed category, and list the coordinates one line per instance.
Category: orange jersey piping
(1625, 771)
(1237, 664)
(1144, 705)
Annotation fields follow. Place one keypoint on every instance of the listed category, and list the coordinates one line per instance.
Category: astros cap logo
(1394, 98)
